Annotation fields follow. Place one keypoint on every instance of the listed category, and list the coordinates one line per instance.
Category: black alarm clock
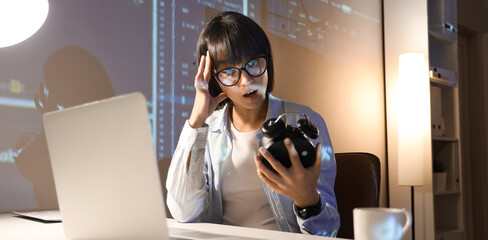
(275, 130)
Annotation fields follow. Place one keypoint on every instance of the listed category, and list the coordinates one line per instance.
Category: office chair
(163, 165)
(357, 184)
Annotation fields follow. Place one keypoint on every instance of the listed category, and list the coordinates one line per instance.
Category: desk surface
(12, 227)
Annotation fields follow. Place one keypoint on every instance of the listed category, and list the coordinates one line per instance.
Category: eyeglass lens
(231, 76)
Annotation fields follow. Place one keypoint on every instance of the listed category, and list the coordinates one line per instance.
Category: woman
(215, 174)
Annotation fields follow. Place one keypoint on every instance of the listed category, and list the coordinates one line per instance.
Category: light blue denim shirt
(194, 191)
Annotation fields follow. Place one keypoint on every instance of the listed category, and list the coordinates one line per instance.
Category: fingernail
(208, 54)
(287, 141)
(263, 150)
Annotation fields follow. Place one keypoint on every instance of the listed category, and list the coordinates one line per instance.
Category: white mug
(380, 223)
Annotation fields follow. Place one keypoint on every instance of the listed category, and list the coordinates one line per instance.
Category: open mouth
(251, 93)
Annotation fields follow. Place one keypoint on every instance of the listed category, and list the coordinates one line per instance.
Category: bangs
(230, 44)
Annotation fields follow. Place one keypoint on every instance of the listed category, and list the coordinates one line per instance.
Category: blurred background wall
(328, 55)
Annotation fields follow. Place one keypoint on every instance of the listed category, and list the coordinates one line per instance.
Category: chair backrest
(357, 185)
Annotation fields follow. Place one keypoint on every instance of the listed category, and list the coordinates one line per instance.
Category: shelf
(445, 139)
(447, 189)
(447, 192)
(442, 82)
(448, 231)
(441, 37)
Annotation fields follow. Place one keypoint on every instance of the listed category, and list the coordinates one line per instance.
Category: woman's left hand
(296, 182)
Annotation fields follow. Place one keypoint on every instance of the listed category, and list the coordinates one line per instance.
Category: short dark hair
(232, 38)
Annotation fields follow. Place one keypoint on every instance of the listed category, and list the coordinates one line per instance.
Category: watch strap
(308, 212)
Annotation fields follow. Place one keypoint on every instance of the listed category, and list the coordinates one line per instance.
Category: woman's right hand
(204, 104)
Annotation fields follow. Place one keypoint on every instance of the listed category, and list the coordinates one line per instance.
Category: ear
(214, 87)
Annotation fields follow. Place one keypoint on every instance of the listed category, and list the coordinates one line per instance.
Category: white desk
(12, 228)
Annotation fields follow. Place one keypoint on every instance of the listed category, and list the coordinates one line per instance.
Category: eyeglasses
(231, 76)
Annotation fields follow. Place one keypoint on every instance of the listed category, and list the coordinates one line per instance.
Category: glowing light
(20, 19)
(16, 86)
(8, 156)
(346, 9)
(413, 117)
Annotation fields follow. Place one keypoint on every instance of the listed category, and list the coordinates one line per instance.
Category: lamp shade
(413, 117)
(20, 19)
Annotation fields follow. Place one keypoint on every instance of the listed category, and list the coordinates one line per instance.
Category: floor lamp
(20, 19)
(413, 121)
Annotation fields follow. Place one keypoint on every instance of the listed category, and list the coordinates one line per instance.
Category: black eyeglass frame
(216, 75)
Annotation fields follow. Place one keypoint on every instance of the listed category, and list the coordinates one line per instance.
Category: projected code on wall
(321, 25)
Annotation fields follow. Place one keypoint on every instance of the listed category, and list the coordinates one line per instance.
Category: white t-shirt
(243, 198)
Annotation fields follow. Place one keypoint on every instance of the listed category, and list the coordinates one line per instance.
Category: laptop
(105, 170)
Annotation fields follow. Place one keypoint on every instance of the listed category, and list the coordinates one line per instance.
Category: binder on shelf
(436, 112)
